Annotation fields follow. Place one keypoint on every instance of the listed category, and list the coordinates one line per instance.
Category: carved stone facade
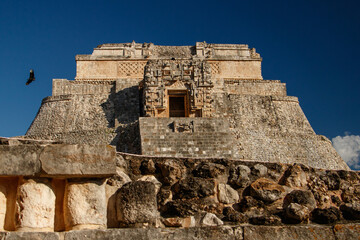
(165, 80)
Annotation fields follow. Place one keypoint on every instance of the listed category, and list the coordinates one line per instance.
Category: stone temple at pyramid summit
(174, 142)
(207, 100)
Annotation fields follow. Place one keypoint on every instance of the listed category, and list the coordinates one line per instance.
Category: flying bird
(31, 78)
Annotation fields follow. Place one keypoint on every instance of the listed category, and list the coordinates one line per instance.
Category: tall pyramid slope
(207, 100)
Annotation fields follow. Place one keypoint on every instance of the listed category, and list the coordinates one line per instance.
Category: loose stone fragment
(119, 179)
(351, 211)
(295, 176)
(326, 216)
(180, 208)
(234, 216)
(305, 198)
(85, 205)
(147, 167)
(172, 171)
(227, 194)
(192, 187)
(211, 170)
(211, 219)
(136, 203)
(266, 190)
(259, 170)
(164, 195)
(35, 206)
(265, 220)
(296, 213)
(180, 222)
(239, 176)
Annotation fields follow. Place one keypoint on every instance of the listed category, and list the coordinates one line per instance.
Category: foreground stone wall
(79, 187)
(312, 232)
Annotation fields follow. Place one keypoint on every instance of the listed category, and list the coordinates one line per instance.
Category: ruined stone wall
(186, 137)
(103, 194)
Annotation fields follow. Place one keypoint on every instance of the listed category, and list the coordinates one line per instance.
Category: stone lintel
(57, 160)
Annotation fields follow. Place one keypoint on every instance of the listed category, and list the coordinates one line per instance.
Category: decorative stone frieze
(190, 80)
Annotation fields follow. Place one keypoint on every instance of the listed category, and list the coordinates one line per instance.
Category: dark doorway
(177, 106)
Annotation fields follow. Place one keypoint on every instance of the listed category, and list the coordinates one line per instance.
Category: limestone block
(266, 190)
(30, 235)
(211, 219)
(3, 205)
(210, 233)
(85, 205)
(288, 232)
(347, 231)
(35, 206)
(227, 194)
(20, 160)
(136, 203)
(78, 160)
(112, 185)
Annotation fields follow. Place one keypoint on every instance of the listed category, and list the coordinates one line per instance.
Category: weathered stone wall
(186, 137)
(275, 129)
(66, 87)
(312, 232)
(255, 87)
(79, 187)
(217, 192)
(93, 112)
(127, 60)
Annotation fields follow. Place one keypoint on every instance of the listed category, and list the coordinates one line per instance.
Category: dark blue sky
(313, 46)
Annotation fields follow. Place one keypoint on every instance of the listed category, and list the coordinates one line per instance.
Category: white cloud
(348, 148)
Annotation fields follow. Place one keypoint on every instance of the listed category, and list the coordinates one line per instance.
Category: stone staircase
(187, 137)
